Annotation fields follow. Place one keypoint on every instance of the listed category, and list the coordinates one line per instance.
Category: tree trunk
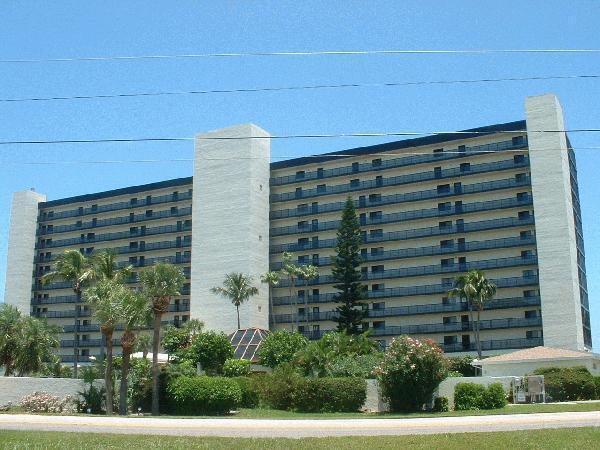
(124, 384)
(155, 368)
(76, 335)
(237, 307)
(108, 381)
(478, 337)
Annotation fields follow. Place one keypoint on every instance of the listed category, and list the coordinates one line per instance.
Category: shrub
(476, 396)
(329, 394)
(250, 391)
(361, 366)
(410, 371)
(42, 402)
(92, 398)
(462, 365)
(276, 389)
(203, 395)
(468, 396)
(597, 383)
(568, 383)
(280, 347)
(211, 350)
(440, 404)
(494, 397)
(236, 367)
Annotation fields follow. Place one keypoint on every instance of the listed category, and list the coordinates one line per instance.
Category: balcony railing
(468, 227)
(406, 291)
(499, 344)
(433, 269)
(400, 162)
(120, 205)
(123, 234)
(409, 215)
(426, 251)
(374, 202)
(412, 310)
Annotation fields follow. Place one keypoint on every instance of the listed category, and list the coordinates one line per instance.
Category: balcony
(120, 205)
(406, 291)
(410, 215)
(411, 234)
(412, 310)
(427, 251)
(400, 162)
(500, 344)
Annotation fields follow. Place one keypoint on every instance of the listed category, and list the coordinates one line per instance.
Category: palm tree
(161, 283)
(307, 272)
(10, 320)
(136, 313)
(74, 267)
(290, 270)
(476, 289)
(238, 288)
(37, 339)
(272, 280)
(105, 300)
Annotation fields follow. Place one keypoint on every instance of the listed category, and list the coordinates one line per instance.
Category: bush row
(569, 383)
(476, 396)
(203, 395)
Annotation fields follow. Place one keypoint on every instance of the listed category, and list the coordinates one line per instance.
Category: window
(379, 180)
(303, 207)
(298, 192)
(376, 162)
(320, 172)
(437, 172)
(354, 167)
(374, 198)
(375, 215)
(532, 334)
(375, 251)
(379, 324)
(321, 188)
(522, 196)
(378, 306)
(355, 183)
(465, 167)
(443, 188)
(447, 262)
(377, 287)
(449, 319)
(376, 233)
(520, 177)
(524, 215)
(302, 242)
(377, 269)
(462, 148)
(529, 293)
(447, 243)
(526, 254)
(525, 234)
(518, 140)
(149, 213)
(449, 340)
(445, 206)
(173, 210)
(446, 224)
(531, 314)
(518, 159)
(300, 175)
(94, 208)
(528, 273)
(438, 152)
(148, 199)
(303, 259)
(302, 224)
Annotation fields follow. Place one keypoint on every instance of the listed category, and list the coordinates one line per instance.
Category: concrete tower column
(554, 223)
(21, 249)
(230, 223)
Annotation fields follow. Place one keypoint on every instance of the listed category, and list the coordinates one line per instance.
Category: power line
(309, 53)
(283, 157)
(291, 136)
(296, 88)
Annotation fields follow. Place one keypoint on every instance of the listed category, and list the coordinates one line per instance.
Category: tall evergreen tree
(346, 272)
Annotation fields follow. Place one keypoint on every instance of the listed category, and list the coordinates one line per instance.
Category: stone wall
(13, 389)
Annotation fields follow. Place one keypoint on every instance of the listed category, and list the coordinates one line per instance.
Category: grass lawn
(547, 439)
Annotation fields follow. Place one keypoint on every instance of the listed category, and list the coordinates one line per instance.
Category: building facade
(501, 198)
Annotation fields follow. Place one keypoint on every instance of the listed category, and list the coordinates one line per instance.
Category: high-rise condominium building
(501, 198)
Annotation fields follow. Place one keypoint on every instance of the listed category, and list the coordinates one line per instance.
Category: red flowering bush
(410, 371)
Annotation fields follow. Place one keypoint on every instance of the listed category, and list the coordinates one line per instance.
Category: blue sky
(75, 28)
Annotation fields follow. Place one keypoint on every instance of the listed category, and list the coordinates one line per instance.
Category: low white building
(524, 362)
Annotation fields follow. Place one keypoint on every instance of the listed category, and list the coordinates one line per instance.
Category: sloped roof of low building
(537, 353)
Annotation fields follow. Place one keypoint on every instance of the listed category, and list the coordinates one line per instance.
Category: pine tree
(346, 272)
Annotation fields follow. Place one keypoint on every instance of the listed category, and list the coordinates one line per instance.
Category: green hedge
(597, 383)
(236, 367)
(285, 389)
(249, 387)
(568, 383)
(440, 404)
(203, 395)
(476, 396)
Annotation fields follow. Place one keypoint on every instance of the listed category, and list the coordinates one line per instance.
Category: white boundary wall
(446, 387)
(230, 216)
(554, 224)
(13, 389)
(21, 249)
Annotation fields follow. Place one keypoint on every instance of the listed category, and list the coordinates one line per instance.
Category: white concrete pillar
(554, 224)
(21, 249)
(230, 223)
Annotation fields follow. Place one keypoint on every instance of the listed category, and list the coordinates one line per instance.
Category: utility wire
(308, 53)
(296, 88)
(290, 136)
(283, 157)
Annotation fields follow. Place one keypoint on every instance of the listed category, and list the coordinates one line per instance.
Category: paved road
(298, 428)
